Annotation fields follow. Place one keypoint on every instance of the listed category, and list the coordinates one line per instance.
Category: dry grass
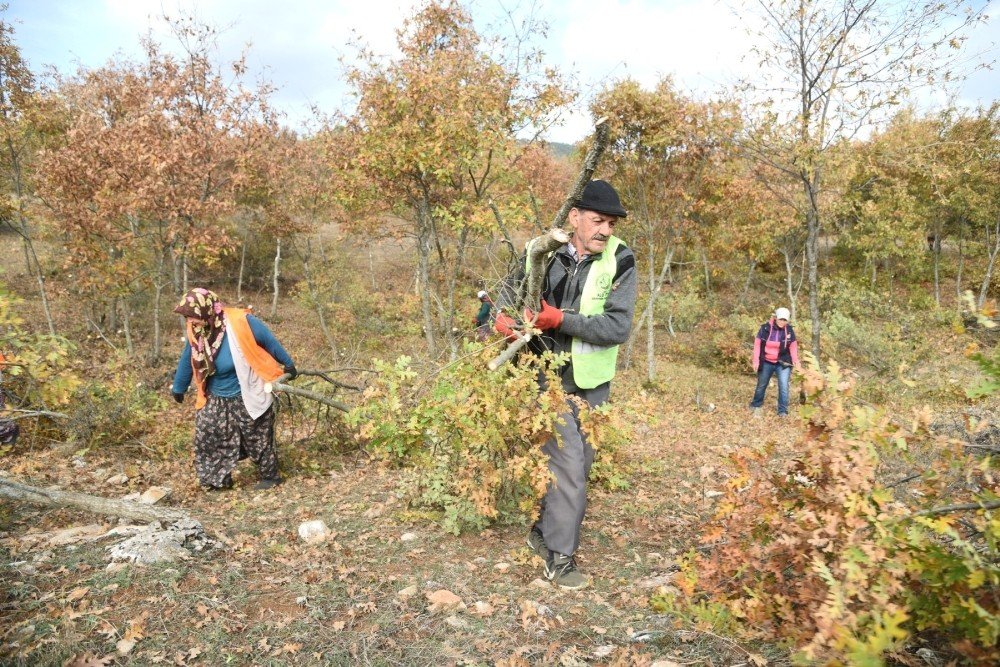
(269, 599)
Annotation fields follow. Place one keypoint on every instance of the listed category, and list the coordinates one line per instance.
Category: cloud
(700, 44)
(299, 44)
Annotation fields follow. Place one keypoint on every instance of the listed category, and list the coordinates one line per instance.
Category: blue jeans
(764, 373)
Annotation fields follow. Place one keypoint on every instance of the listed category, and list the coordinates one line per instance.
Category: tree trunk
(654, 294)
(937, 264)
(746, 284)
(277, 273)
(30, 256)
(993, 252)
(113, 315)
(82, 501)
(243, 263)
(630, 343)
(184, 272)
(178, 280)
(314, 297)
(788, 282)
(157, 298)
(423, 272)
(704, 263)
(961, 264)
(601, 134)
(454, 331)
(812, 259)
(127, 325)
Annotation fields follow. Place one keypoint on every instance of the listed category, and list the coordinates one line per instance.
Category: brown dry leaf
(483, 609)
(599, 630)
(77, 594)
(291, 648)
(443, 600)
(757, 660)
(125, 646)
(529, 611)
(338, 626)
(88, 660)
(513, 661)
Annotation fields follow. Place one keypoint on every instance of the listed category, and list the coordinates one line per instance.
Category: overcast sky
(297, 44)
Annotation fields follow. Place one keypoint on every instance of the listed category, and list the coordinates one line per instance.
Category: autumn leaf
(88, 660)
(77, 594)
(443, 600)
(291, 648)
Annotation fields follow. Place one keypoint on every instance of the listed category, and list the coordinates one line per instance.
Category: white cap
(482, 294)
(781, 314)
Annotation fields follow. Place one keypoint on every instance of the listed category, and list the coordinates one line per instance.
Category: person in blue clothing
(230, 355)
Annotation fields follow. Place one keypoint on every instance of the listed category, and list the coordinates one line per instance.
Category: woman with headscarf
(230, 355)
(9, 430)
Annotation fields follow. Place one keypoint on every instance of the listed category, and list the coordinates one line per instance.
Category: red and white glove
(504, 324)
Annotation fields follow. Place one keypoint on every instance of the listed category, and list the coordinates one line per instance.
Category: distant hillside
(561, 150)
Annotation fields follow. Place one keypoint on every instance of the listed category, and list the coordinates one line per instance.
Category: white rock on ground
(313, 532)
(117, 480)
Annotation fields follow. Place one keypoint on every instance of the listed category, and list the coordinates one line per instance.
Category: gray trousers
(565, 501)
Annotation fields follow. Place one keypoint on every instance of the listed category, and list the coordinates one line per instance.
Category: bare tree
(832, 69)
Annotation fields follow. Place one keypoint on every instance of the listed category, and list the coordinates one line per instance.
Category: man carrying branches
(587, 302)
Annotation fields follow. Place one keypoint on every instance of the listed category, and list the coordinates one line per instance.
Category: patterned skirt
(224, 433)
(9, 429)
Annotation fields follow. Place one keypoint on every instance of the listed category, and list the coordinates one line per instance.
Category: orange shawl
(262, 363)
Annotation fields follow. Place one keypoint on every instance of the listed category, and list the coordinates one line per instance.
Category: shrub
(683, 306)
(814, 546)
(472, 438)
(113, 413)
(725, 343)
(38, 369)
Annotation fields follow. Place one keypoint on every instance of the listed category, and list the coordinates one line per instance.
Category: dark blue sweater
(224, 383)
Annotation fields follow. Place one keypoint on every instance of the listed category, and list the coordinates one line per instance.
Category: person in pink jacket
(775, 352)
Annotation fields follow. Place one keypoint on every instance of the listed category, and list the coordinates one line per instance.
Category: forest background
(863, 531)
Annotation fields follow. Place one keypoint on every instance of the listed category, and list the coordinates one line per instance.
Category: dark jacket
(563, 288)
(776, 340)
(485, 311)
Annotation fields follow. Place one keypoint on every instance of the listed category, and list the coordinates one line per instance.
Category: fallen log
(94, 504)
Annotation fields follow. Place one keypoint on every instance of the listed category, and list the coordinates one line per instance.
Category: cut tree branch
(279, 385)
(541, 246)
(601, 132)
(948, 509)
(88, 503)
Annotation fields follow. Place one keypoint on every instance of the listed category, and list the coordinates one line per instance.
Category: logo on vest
(603, 287)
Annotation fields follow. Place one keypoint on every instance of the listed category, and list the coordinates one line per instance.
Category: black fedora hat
(599, 196)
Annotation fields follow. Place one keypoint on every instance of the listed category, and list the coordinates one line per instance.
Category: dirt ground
(364, 595)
